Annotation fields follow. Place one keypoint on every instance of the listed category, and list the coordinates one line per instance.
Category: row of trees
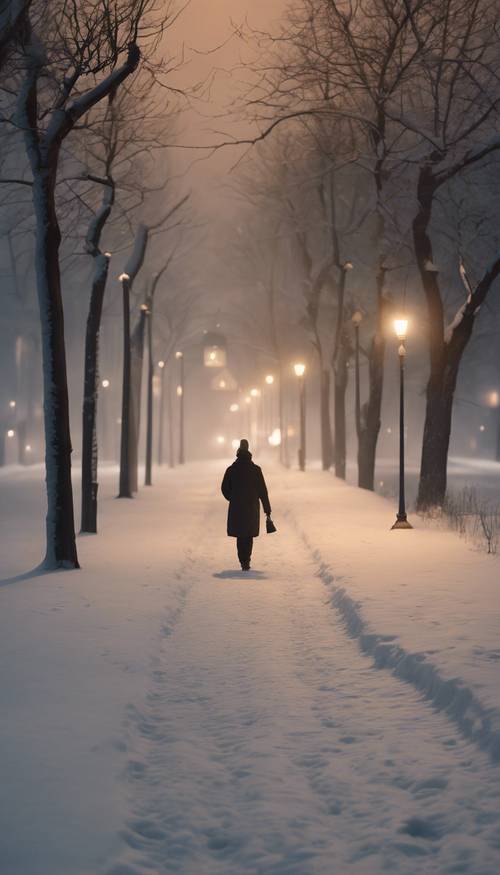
(381, 119)
(85, 105)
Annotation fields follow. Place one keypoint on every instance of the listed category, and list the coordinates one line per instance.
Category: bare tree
(344, 63)
(66, 65)
(135, 344)
(453, 128)
(118, 151)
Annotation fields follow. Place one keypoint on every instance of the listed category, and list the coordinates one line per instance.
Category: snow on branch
(475, 298)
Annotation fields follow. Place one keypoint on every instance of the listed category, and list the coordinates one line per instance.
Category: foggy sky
(204, 26)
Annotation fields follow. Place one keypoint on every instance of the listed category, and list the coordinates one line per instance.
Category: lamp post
(124, 486)
(104, 419)
(300, 370)
(357, 318)
(180, 394)
(149, 425)
(161, 365)
(401, 328)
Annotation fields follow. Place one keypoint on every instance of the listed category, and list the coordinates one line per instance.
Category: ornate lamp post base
(402, 523)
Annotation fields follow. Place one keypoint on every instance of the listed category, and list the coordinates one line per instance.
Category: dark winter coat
(243, 485)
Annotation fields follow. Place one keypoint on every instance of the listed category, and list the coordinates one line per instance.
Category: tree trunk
(284, 453)
(371, 411)
(440, 387)
(497, 441)
(325, 421)
(340, 388)
(170, 417)
(90, 398)
(435, 444)
(60, 526)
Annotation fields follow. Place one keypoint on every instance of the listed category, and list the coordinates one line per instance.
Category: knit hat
(243, 447)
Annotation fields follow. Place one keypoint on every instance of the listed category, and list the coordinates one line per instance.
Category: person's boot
(245, 566)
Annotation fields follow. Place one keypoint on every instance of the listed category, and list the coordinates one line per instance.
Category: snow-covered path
(269, 745)
(164, 713)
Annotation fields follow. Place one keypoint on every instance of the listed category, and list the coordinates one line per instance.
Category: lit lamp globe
(401, 329)
(105, 384)
(269, 379)
(178, 354)
(161, 364)
(299, 369)
(357, 318)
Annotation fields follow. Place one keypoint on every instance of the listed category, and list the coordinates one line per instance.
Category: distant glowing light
(221, 439)
(482, 428)
(234, 408)
(269, 379)
(299, 369)
(161, 363)
(28, 448)
(222, 384)
(254, 393)
(107, 254)
(12, 404)
(290, 431)
(493, 398)
(357, 318)
(212, 356)
(105, 384)
(10, 433)
(274, 438)
(248, 400)
(401, 328)
(179, 391)
(178, 354)
(123, 277)
(389, 430)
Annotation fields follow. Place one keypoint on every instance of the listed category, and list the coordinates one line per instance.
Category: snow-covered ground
(162, 712)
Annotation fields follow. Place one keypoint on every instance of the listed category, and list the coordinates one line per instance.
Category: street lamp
(269, 379)
(180, 394)
(300, 370)
(357, 318)
(401, 329)
(125, 485)
(161, 365)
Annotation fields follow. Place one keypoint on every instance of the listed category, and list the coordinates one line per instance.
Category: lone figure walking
(243, 485)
